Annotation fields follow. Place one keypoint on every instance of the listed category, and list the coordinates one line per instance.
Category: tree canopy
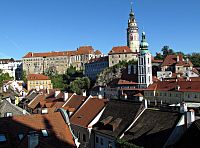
(4, 77)
(71, 81)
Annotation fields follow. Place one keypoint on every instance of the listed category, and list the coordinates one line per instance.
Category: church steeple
(132, 32)
(144, 64)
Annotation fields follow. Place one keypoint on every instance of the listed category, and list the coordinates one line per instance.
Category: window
(97, 139)
(20, 136)
(8, 114)
(101, 141)
(44, 133)
(84, 138)
(109, 144)
(78, 135)
(2, 138)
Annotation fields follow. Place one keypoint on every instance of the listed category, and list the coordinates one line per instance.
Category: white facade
(13, 68)
(144, 65)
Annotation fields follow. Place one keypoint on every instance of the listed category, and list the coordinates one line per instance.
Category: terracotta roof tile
(85, 50)
(88, 112)
(59, 133)
(39, 98)
(97, 52)
(37, 77)
(75, 101)
(172, 60)
(185, 86)
(120, 49)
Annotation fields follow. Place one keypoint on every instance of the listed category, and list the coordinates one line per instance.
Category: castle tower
(144, 64)
(133, 41)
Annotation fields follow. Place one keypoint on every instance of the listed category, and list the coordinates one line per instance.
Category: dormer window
(45, 133)
(20, 136)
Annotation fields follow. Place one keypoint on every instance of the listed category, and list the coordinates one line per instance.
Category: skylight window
(20, 136)
(45, 133)
(2, 138)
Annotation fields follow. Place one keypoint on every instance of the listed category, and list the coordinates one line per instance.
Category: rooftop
(117, 116)
(58, 133)
(151, 125)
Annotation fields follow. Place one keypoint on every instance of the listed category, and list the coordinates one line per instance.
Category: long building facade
(38, 63)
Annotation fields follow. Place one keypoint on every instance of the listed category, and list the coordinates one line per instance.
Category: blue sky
(58, 25)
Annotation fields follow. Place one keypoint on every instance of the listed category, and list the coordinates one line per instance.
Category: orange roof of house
(39, 98)
(120, 49)
(80, 51)
(75, 101)
(126, 82)
(85, 50)
(185, 86)
(47, 54)
(138, 95)
(37, 77)
(88, 112)
(97, 52)
(172, 59)
(59, 134)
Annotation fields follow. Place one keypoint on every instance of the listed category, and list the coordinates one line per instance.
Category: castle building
(133, 40)
(144, 64)
(39, 63)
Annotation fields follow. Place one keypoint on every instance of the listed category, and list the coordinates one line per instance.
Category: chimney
(177, 58)
(190, 117)
(31, 54)
(84, 93)
(187, 60)
(57, 92)
(47, 90)
(183, 107)
(145, 104)
(33, 139)
(66, 95)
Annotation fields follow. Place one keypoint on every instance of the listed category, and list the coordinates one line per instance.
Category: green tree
(24, 76)
(125, 144)
(166, 51)
(158, 56)
(51, 71)
(4, 77)
(194, 58)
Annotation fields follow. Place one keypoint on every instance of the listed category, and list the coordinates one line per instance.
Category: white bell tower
(144, 64)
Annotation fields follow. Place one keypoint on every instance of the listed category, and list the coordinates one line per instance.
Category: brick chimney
(57, 92)
(66, 95)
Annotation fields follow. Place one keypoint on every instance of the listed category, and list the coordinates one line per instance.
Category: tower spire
(131, 12)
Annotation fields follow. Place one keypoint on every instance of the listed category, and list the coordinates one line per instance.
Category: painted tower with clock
(133, 40)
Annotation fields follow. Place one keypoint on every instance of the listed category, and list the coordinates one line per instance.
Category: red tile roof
(47, 54)
(125, 82)
(97, 52)
(84, 116)
(172, 60)
(75, 101)
(85, 50)
(80, 51)
(185, 86)
(34, 103)
(31, 77)
(120, 49)
(59, 134)
(101, 59)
